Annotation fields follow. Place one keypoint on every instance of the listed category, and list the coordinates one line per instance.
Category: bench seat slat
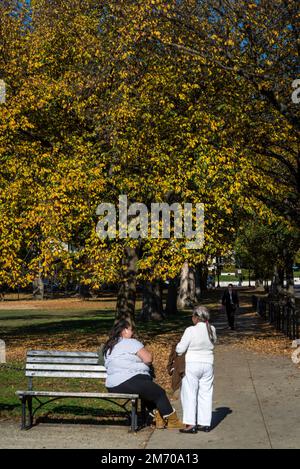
(55, 367)
(87, 361)
(58, 353)
(66, 374)
(78, 394)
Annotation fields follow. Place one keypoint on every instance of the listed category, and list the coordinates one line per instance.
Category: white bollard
(295, 343)
(2, 352)
(296, 356)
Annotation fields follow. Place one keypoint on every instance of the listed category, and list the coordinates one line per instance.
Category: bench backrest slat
(65, 374)
(55, 367)
(62, 364)
(63, 353)
(87, 361)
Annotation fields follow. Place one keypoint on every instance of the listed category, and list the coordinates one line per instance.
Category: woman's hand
(145, 356)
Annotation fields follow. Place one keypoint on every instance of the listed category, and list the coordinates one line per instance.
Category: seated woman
(128, 371)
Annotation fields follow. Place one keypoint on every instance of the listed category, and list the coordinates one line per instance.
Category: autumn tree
(120, 98)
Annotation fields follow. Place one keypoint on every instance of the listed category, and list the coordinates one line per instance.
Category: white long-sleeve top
(195, 342)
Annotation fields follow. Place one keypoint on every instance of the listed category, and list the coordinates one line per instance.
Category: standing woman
(127, 364)
(197, 385)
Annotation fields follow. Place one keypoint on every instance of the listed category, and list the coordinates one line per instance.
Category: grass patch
(12, 380)
(75, 329)
(66, 329)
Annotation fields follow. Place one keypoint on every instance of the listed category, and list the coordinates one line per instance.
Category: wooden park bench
(61, 364)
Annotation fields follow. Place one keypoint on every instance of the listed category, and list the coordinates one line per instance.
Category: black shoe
(189, 430)
(202, 428)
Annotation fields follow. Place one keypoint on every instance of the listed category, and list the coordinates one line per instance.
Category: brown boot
(160, 422)
(173, 421)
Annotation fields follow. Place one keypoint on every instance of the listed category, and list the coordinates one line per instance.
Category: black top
(226, 300)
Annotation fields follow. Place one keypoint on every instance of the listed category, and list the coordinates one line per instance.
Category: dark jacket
(176, 367)
(226, 299)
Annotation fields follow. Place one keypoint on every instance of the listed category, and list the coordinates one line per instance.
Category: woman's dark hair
(114, 335)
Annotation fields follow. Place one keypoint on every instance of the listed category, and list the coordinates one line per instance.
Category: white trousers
(196, 393)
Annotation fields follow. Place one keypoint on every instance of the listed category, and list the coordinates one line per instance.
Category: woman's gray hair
(202, 313)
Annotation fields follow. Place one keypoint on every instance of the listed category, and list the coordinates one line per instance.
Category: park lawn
(85, 327)
(56, 329)
(79, 329)
(12, 379)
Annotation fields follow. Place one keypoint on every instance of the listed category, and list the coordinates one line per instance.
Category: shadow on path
(219, 414)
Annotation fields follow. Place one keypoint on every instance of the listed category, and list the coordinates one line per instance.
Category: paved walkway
(256, 405)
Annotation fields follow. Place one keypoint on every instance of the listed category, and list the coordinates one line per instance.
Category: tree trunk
(171, 304)
(158, 297)
(38, 286)
(127, 289)
(187, 289)
(198, 282)
(183, 293)
(84, 291)
(277, 281)
(281, 277)
(152, 308)
(38, 289)
(192, 286)
(203, 277)
(290, 284)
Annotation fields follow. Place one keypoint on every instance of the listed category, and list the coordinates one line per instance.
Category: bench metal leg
(23, 422)
(30, 411)
(25, 400)
(143, 412)
(133, 415)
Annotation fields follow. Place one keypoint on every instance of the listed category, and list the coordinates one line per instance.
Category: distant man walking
(230, 300)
